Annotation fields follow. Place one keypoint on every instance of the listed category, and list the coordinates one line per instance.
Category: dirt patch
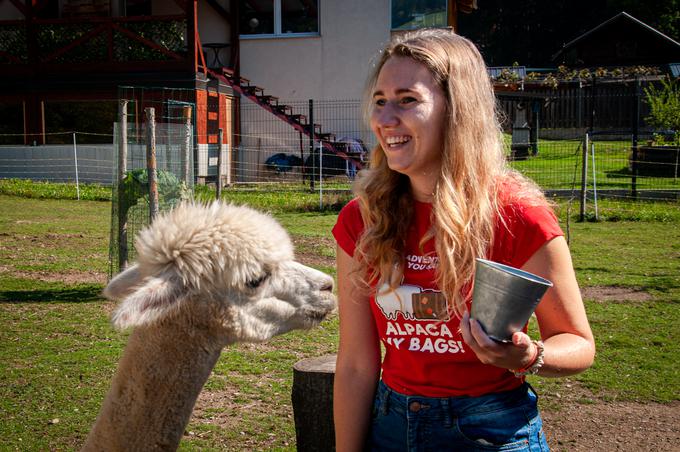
(307, 251)
(219, 409)
(611, 426)
(570, 424)
(615, 294)
(66, 276)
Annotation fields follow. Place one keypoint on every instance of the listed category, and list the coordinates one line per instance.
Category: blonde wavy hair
(466, 202)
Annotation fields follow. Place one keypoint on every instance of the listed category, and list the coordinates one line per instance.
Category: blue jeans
(506, 421)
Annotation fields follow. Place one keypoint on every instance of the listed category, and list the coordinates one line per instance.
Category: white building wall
(333, 65)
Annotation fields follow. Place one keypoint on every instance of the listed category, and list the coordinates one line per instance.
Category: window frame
(278, 21)
(392, 29)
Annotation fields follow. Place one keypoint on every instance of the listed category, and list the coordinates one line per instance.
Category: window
(413, 14)
(279, 17)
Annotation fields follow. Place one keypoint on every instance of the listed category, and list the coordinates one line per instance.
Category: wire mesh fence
(153, 172)
(269, 153)
(77, 162)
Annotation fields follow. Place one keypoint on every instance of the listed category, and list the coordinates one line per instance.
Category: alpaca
(205, 277)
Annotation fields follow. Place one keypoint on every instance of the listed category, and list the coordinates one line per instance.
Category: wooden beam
(182, 4)
(39, 4)
(86, 37)
(20, 6)
(146, 42)
(452, 15)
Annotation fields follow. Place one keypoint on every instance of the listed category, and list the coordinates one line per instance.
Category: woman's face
(407, 117)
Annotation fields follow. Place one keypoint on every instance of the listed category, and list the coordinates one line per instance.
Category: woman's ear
(157, 298)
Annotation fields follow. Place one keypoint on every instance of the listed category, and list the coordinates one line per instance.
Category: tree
(664, 108)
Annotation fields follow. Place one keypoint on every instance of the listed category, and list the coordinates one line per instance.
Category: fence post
(75, 158)
(151, 162)
(122, 169)
(218, 187)
(584, 177)
(320, 175)
(186, 144)
(636, 126)
(311, 143)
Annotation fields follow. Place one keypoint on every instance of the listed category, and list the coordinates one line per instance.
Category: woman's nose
(387, 116)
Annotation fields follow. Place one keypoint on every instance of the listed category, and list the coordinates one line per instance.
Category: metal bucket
(504, 298)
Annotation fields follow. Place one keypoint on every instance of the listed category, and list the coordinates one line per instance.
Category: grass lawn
(58, 352)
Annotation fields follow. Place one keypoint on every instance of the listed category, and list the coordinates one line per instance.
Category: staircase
(283, 112)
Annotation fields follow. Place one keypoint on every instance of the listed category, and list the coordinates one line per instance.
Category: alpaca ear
(123, 284)
(156, 299)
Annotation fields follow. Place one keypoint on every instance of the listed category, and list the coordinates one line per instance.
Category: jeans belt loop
(385, 399)
(447, 412)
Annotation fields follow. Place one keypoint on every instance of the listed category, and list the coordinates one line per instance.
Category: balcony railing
(114, 43)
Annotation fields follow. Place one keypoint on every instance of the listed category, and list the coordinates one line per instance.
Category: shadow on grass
(71, 294)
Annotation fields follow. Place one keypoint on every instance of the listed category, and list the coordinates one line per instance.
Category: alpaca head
(221, 267)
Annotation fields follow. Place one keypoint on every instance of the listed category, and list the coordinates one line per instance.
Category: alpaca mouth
(317, 315)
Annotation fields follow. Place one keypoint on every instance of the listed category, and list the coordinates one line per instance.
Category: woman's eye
(380, 102)
(408, 100)
(257, 282)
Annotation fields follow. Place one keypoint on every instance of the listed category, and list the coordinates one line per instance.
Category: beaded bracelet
(534, 364)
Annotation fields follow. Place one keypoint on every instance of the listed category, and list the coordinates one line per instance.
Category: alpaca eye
(255, 283)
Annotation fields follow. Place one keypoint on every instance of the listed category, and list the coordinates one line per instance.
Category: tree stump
(312, 398)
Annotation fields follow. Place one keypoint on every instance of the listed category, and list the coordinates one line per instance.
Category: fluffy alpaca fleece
(206, 276)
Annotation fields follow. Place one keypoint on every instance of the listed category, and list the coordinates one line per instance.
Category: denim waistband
(456, 405)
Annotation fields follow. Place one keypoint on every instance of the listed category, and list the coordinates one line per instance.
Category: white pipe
(320, 175)
(75, 158)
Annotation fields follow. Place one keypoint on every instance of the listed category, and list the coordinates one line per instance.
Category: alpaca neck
(153, 393)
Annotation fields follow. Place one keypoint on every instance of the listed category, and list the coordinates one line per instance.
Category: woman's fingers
(506, 355)
(481, 337)
(521, 340)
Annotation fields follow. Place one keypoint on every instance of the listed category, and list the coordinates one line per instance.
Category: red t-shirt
(425, 354)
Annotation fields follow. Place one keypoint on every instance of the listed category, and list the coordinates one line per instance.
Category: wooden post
(218, 186)
(122, 170)
(186, 145)
(312, 398)
(151, 162)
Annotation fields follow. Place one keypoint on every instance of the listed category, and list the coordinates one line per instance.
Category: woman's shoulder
(515, 193)
(351, 211)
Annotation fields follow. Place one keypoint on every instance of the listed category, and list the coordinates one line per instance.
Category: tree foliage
(664, 107)
(531, 31)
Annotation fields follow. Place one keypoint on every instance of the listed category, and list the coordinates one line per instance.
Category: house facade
(78, 57)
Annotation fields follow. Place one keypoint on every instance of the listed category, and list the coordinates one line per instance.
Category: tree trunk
(313, 403)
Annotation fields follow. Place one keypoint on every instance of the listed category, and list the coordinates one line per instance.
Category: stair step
(271, 100)
(229, 73)
(317, 128)
(326, 136)
(252, 89)
(285, 109)
(302, 119)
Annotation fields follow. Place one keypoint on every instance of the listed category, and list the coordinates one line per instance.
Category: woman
(439, 194)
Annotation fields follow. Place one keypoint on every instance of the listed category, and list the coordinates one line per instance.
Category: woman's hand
(515, 355)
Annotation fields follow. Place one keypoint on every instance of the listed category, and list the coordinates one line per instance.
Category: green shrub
(664, 106)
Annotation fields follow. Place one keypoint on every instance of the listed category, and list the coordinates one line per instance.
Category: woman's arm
(564, 328)
(358, 364)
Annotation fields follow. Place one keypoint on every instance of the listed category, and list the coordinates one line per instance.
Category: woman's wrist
(534, 364)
